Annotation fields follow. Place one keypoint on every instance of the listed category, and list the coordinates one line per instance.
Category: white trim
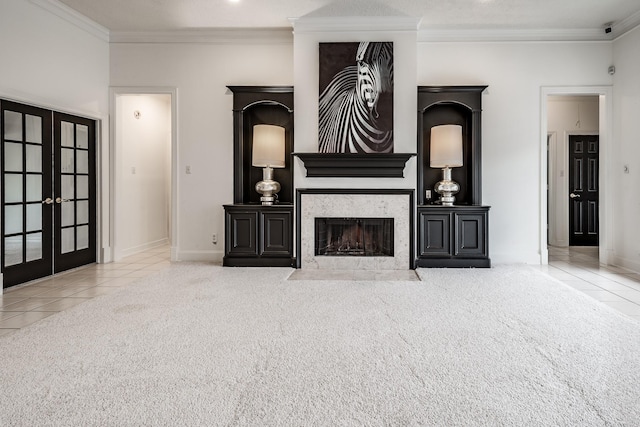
(175, 161)
(517, 35)
(606, 148)
(355, 24)
(626, 25)
(207, 256)
(70, 15)
(145, 247)
(211, 36)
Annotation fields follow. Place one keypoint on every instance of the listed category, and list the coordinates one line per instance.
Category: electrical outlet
(214, 239)
(427, 194)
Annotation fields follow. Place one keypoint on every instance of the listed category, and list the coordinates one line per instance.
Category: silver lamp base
(446, 188)
(268, 187)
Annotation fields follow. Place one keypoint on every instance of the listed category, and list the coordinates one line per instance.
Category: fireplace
(353, 236)
(333, 234)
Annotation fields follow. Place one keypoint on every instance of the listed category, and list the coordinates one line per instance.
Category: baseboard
(629, 264)
(515, 258)
(144, 247)
(209, 256)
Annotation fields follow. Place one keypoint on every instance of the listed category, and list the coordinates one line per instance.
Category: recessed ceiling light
(234, 1)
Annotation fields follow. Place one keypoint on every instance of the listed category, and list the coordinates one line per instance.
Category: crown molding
(516, 35)
(355, 24)
(65, 12)
(208, 36)
(629, 23)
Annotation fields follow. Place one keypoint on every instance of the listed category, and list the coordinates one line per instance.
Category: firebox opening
(354, 236)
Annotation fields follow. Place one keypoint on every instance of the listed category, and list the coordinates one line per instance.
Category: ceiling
(469, 15)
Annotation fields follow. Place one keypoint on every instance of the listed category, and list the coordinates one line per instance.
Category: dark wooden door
(75, 191)
(48, 192)
(583, 190)
(27, 193)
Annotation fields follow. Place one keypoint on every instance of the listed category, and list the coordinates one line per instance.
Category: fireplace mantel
(354, 165)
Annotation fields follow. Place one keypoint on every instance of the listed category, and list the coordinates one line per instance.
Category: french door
(48, 192)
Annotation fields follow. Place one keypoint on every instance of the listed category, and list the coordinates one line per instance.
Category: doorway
(143, 170)
(48, 192)
(584, 123)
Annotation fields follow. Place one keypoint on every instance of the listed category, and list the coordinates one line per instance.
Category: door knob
(60, 200)
(47, 201)
(574, 196)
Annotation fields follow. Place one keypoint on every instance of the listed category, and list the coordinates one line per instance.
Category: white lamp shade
(268, 146)
(446, 146)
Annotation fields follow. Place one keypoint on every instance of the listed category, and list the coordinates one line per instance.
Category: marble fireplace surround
(351, 203)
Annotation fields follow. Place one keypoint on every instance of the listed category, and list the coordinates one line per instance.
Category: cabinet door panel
(277, 239)
(435, 236)
(242, 237)
(470, 234)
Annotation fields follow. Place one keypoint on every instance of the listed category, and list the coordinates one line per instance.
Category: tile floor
(579, 268)
(24, 305)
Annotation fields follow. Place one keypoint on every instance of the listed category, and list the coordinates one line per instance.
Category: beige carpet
(201, 345)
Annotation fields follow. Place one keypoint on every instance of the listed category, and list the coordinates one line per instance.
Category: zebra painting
(356, 98)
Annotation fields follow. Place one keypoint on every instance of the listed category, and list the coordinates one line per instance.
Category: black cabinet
(453, 236)
(258, 236)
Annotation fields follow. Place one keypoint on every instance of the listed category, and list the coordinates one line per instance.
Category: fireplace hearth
(354, 236)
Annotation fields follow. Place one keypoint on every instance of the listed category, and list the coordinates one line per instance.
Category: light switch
(188, 170)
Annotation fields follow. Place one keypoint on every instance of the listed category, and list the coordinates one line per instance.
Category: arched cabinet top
(248, 96)
(467, 96)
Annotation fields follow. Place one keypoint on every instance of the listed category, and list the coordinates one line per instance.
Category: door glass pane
(67, 214)
(67, 187)
(34, 217)
(83, 161)
(13, 125)
(34, 158)
(67, 160)
(83, 187)
(34, 188)
(12, 188)
(34, 246)
(12, 157)
(83, 237)
(13, 219)
(34, 129)
(67, 240)
(83, 212)
(82, 136)
(12, 250)
(66, 134)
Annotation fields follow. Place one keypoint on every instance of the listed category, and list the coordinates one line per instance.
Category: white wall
(566, 115)
(58, 63)
(201, 72)
(626, 57)
(143, 149)
(306, 102)
(511, 160)
(47, 60)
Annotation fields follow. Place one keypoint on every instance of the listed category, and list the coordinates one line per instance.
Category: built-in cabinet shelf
(452, 236)
(258, 236)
